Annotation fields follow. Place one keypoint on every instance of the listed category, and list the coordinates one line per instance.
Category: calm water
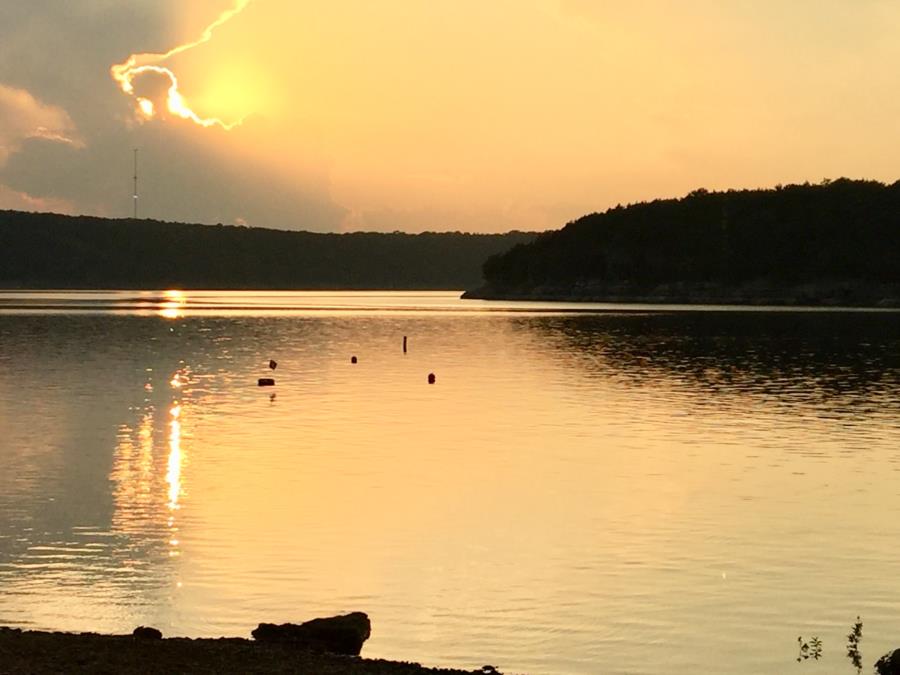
(593, 492)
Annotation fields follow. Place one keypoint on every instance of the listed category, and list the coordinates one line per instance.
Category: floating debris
(266, 382)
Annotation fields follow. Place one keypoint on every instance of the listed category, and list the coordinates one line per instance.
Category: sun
(146, 106)
(138, 65)
(234, 90)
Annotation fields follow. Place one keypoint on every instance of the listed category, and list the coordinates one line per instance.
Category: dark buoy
(273, 364)
(266, 382)
(353, 359)
(431, 378)
(404, 344)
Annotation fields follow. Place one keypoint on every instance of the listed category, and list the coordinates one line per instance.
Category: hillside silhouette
(833, 243)
(40, 250)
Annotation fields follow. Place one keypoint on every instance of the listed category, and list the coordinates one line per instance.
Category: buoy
(266, 382)
(272, 364)
(353, 359)
(431, 378)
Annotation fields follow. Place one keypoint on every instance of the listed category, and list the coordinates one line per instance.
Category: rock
(338, 634)
(147, 633)
(889, 664)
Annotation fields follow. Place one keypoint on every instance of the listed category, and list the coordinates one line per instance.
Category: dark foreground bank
(37, 653)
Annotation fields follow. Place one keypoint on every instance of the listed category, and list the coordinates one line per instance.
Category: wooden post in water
(404, 344)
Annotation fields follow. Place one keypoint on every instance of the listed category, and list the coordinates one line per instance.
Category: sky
(414, 115)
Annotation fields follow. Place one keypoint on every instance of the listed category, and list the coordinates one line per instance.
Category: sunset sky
(420, 115)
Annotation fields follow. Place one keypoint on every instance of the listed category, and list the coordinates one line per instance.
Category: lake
(585, 488)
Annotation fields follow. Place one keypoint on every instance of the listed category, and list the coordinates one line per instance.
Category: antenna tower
(135, 183)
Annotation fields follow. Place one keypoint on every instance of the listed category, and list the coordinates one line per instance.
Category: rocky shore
(147, 653)
(825, 294)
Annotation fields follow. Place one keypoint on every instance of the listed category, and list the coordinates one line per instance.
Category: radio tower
(135, 183)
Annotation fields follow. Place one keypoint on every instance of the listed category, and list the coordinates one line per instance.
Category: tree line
(42, 250)
(835, 231)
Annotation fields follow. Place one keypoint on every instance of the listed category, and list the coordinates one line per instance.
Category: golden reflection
(145, 463)
(180, 378)
(173, 473)
(143, 503)
(132, 471)
(173, 305)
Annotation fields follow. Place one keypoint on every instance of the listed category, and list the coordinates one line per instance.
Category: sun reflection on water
(147, 470)
(173, 305)
(173, 473)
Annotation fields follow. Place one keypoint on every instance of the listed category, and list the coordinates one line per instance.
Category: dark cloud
(61, 51)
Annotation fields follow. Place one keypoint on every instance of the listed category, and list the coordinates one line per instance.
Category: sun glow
(173, 306)
(146, 106)
(142, 64)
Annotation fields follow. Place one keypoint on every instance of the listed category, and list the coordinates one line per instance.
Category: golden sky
(495, 115)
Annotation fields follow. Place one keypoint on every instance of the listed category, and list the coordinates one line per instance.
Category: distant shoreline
(52, 251)
(40, 653)
(834, 244)
(224, 288)
(825, 294)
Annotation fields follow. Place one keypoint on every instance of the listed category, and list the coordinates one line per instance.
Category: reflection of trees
(847, 363)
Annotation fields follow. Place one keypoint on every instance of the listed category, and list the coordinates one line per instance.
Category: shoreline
(41, 652)
(851, 295)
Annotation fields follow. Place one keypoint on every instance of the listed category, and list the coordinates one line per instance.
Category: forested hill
(40, 250)
(833, 243)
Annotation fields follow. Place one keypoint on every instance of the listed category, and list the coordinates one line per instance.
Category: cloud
(465, 115)
(188, 173)
(22, 201)
(143, 64)
(25, 117)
